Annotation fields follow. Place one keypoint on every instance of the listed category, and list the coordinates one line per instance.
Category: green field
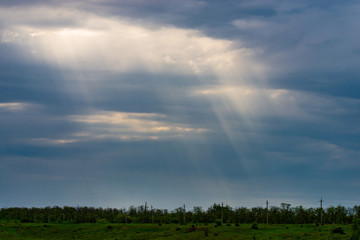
(19, 231)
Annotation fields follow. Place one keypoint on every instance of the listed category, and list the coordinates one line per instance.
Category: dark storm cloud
(307, 46)
(296, 36)
(188, 14)
(308, 35)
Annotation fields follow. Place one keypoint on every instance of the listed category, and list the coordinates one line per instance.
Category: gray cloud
(172, 102)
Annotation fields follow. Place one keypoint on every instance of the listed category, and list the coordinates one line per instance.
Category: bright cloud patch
(12, 106)
(92, 42)
(49, 141)
(255, 102)
(249, 24)
(131, 126)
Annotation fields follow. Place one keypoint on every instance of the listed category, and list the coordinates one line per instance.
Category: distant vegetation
(117, 231)
(218, 214)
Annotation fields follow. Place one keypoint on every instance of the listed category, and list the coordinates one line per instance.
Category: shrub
(191, 229)
(255, 226)
(101, 220)
(338, 230)
(218, 222)
(355, 230)
(206, 231)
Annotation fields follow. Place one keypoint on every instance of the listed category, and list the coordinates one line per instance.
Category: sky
(116, 103)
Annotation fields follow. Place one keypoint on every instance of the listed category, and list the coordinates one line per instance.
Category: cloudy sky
(114, 103)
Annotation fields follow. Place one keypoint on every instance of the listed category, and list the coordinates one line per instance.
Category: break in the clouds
(114, 103)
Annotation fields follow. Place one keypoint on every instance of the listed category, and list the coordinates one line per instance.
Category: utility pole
(152, 214)
(222, 212)
(267, 212)
(125, 213)
(321, 211)
(145, 206)
(184, 213)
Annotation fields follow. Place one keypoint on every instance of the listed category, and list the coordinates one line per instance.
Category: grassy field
(31, 231)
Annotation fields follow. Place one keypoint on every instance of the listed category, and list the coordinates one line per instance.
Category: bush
(218, 222)
(175, 221)
(355, 230)
(255, 226)
(191, 229)
(101, 220)
(206, 231)
(338, 230)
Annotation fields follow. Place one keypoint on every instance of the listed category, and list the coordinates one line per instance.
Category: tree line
(217, 213)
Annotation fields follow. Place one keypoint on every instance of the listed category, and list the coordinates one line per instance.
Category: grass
(32, 231)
